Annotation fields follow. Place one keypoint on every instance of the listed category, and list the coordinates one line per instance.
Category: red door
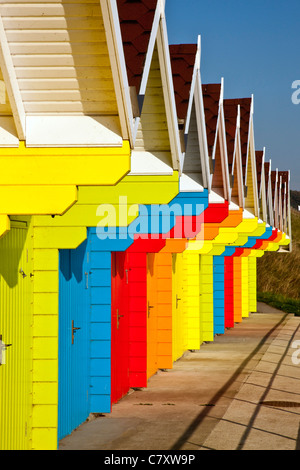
(138, 306)
(228, 292)
(152, 317)
(119, 328)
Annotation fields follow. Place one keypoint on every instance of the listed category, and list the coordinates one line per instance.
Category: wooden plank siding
(60, 56)
(100, 328)
(45, 329)
(252, 280)
(245, 287)
(16, 386)
(192, 163)
(237, 289)
(5, 108)
(206, 297)
(164, 309)
(153, 133)
(137, 281)
(229, 291)
(219, 295)
(249, 200)
(179, 321)
(191, 290)
(218, 177)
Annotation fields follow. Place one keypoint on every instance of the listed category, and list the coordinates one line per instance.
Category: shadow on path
(198, 420)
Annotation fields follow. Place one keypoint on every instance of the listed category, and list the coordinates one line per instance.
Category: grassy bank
(278, 274)
(280, 302)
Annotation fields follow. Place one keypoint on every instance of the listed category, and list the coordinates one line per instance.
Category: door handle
(149, 309)
(74, 329)
(23, 274)
(118, 318)
(86, 280)
(177, 300)
(3, 348)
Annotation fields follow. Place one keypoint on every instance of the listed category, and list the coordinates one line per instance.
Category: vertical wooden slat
(15, 324)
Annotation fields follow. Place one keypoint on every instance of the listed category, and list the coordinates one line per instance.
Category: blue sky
(255, 46)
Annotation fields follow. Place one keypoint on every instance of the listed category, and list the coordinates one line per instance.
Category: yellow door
(237, 289)
(191, 286)
(252, 288)
(206, 297)
(16, 337)
(179, 326)
(245, 287)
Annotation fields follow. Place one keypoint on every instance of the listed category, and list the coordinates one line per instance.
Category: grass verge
(280, 302)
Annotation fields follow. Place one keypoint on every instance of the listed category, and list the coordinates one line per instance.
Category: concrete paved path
(241, 391)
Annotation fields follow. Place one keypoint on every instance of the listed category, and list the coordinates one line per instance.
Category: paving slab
(239, 392)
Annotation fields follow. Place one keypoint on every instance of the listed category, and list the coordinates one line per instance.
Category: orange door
(152, 318)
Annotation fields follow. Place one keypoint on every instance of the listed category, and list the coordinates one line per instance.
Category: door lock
(149, 309)
(74, 329)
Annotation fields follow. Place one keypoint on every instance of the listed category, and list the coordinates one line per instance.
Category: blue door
(74, 339)
(218, 286)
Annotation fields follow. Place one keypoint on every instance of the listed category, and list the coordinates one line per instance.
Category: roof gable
(233, 142)
(261, 184)
(245, 115)
(50, 55)
(287, 222)
(211, 100)
(268, 192)
(216, 141)
(248, 156)
(274, 189)
(156, 143)
(185, 63)
(259, 156)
